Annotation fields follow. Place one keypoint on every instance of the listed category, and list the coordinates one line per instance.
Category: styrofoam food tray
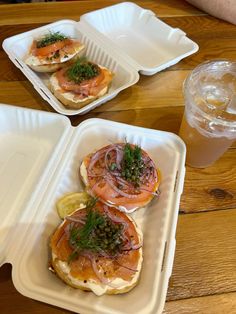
(125, 38)
(40, 156)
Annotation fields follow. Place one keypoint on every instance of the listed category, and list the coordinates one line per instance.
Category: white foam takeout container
(40, 154)
(125, 38)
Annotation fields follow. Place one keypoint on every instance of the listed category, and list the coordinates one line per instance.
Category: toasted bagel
(53, 67)
(76, 100)
(111, 187)
(54, 54)
(111, 268)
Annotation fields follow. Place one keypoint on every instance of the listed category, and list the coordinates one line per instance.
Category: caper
(120, 226)
(112, 246)
(114, 232)
(113, 166)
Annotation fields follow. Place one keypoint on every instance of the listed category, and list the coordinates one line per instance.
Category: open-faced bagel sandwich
(80, 83)
(99, 249)
(121, 175)
(53, 51)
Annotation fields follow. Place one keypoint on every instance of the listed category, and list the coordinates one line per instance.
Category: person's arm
(223, 9)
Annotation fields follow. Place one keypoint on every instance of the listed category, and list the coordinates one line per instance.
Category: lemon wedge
(69, 203)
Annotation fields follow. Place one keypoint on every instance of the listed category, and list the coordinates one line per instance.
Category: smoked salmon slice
(87, 87)
(111, 249)
(107, 179)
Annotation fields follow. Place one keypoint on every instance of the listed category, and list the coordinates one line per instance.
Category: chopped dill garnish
(81, 237)
(82, 70)
(98, 234)
(132, 165)
(49, 39)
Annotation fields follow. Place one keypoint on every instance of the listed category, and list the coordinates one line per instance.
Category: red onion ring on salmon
(106, 181)
(100, 266)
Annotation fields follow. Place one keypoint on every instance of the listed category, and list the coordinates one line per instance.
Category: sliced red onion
(99, 273)
(74, 219)
(119, 191)
(68, 228)
(133, 247)
(96, 184)
(116, 174)
(92, 259)
(127, 245)
(114, 178)
(119, 157)
(58, 244)
(94, 159)
(124, 182)
(93, 175)
(110, 149)
(129, 268)
(136, 246)
(114, 218)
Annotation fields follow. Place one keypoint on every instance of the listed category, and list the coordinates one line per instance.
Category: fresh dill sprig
(49, 39)
(98, 234)
(82, 70)
(91, 202)
(81, 237)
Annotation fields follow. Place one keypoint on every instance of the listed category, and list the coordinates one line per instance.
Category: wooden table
(204, 272)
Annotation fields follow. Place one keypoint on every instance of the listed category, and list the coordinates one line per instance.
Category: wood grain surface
(10, 14)
(205, 255)
(214, 304)
(204, 277)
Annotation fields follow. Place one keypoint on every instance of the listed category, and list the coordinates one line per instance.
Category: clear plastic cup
(208, 127)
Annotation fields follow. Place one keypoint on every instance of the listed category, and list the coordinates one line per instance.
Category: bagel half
(110, 269)
(110, 187)
(53, 51)
(53, 67)
(75, 100)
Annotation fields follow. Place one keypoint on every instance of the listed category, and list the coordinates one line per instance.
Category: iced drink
(208, 127)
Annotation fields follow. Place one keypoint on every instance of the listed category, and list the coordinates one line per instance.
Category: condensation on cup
(208, 127)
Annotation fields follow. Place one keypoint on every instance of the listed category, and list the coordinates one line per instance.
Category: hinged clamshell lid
(149, 44)
(29, 142)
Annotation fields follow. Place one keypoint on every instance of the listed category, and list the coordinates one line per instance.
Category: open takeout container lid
(40, 154)
(124, 37)
(148, 44)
